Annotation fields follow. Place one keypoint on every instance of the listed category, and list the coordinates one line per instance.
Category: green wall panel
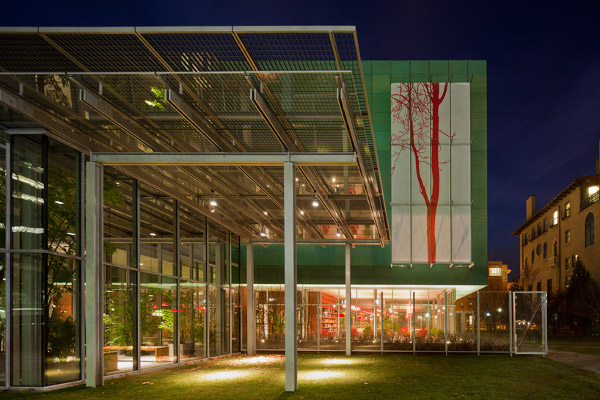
(371, 264)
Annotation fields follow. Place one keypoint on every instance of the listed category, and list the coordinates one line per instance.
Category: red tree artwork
(416, 110)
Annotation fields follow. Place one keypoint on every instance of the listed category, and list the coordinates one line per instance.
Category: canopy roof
(209, 89)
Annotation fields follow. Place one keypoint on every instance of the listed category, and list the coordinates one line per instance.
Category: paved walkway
(583, 361)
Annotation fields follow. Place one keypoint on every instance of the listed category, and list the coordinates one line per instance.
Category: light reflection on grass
(339, 361)
(254, 360)
(316, 375)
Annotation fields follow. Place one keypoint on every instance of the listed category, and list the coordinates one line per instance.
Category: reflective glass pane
(119, 212)
(192, 246)
(119, 321)
(157, 232)
(63, 198)
(26, 321)
(333, 316)
(193, 317)
(218, 267)
(270, 316)
(2, 197)
(157, 308)
(63, 343)
(28, 191)
(2, 318)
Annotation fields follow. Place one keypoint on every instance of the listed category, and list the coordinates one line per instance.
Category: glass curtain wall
(192, 261)
(46, 285)
(121, 278)
(218, 291)
(156, 296)
(3, 269)
(184, 311)
(398, 320)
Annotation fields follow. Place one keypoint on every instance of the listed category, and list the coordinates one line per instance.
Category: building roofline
(577, 182)
(177, 29)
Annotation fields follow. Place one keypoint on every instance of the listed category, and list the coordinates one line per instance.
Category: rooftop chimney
(530, 206)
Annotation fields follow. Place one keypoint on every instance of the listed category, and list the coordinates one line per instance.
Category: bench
(159, 351)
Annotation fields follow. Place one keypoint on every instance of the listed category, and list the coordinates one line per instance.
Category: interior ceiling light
(338, 234)
(262, 232)
(315, 202)
(152, 234)
(333, 179)
(301, 212)
(213, 199)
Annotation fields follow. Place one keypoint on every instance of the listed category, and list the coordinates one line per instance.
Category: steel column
(510, 324)
(414, 338)
(94, 282)
(250, 302)
(446, 321)
(381, 324)
(291, 362)
(478, 327)
(348, 303)
(8, 266)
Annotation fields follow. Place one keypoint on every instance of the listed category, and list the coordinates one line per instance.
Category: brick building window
(545, 250)
(589, 230)
(568, 209)
(567, 236)
(566, 263)
(549, 285)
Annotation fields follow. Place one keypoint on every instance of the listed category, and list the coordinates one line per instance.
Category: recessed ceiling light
(315, 202)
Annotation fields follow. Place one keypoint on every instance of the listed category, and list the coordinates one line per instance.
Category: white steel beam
(250, 302)
(93, 276)
(291, 333)
(225, 159)
(348, 303)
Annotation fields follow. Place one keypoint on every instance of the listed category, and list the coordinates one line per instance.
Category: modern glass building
(172, 194)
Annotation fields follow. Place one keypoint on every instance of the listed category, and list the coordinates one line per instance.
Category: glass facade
(45, 262)
(402, 320)
(171, 280)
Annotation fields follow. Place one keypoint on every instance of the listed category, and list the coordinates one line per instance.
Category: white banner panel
(461, 234)
(431, 172)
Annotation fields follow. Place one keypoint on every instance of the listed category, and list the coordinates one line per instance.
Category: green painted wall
(371, 264)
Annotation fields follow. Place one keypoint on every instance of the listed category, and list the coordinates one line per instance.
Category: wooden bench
(159, 351)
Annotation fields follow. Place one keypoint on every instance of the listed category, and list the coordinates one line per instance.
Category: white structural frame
(93, 243)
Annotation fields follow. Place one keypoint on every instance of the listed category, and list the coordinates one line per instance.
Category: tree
(583, 299)
(416, 109)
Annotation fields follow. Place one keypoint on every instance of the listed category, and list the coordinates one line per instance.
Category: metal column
(348, 304)
(381, 324)
(446, 321)
(414, 333)
(291, 362)
(93, 274)
(510, 324)
(250, 302)
(478, 327)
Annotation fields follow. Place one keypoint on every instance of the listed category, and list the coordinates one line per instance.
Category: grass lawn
(359, 376)
(586, 345)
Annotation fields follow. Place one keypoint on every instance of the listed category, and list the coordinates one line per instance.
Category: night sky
(543, 72)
